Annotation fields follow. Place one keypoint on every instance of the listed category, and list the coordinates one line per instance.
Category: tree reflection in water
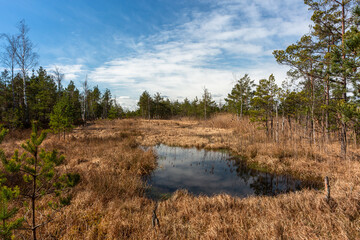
(213, 172)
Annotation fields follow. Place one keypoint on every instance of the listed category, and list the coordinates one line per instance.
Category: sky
(174, 47)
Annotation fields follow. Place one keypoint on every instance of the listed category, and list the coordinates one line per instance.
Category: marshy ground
(110, 203)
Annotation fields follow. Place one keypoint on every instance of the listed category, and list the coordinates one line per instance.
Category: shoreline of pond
(242, 163)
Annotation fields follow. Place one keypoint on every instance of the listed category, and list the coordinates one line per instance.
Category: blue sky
(173, 47)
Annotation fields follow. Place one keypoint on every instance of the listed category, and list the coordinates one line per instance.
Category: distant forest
(321, 93)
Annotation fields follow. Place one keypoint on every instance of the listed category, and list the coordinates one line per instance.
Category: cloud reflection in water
(213, 172)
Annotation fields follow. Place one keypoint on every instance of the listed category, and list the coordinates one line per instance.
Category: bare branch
(59, 76)
(26, 58)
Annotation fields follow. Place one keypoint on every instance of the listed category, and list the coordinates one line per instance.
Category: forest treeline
(47, 102)
(321, 93)
(158, 107)
(28, 95)
(325, 62)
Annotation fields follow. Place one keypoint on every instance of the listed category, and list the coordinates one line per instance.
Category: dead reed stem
(110, 204)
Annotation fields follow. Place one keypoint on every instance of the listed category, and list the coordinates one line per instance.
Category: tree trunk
(290, 128)
(327, 134)
(356, 137)
(25, 98)
(205, 106)
(241, 112)
(312, 135)
(306, 130)
(343, 123)
(277, 125)
(33, 198)
(149, 108)
(343, 139)
(12, 87)
(272, 127)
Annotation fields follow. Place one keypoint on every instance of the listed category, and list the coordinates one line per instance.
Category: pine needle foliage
(40, 176)
(7, 213)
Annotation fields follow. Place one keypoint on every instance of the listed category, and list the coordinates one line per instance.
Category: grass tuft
(109, 203)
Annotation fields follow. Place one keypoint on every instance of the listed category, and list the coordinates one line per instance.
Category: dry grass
(292, 154)
(109, 203)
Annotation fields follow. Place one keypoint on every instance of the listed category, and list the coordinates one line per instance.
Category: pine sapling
(7, 195)
(38, 170)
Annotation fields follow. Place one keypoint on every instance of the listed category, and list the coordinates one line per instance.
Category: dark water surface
(204, 172)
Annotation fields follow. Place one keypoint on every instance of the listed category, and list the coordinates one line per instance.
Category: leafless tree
(26, 58)
(8, 57)
(59, 76)
(85, 89)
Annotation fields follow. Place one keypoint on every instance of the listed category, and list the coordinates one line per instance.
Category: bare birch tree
(85, 89)
(26, 58)
(59, 76)
(9, 59)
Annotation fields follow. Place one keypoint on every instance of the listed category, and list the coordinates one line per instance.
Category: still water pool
(204, 172)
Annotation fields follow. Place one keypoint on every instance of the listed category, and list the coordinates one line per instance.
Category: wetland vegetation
(110, 201)
(208, 172)
(289, 138)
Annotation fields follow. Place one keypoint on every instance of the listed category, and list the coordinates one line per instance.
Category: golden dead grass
(109, 203)
(247, 139)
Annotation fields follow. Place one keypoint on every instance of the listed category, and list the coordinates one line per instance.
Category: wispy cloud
(71, 72)
(126, 102)
(234, 36)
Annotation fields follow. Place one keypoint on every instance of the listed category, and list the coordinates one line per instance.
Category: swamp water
(204, 172)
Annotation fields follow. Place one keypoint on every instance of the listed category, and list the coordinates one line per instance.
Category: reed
(109, 203)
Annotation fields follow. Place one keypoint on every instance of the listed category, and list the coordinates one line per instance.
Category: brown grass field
(109, 203)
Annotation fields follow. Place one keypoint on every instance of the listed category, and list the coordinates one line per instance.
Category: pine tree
(157, 100)
(327, 60)
(73, 104)
(185, 108)
(106, 103)
(60, 118)
(264, 103)
(42, 95)
(38, 169)
(306, 64)
(207, 104)
(7, 226)
(145, 104)
(94, 103)
(240, 96)
(115, 111)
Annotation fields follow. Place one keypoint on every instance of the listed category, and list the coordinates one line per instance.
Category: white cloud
(126, 102)
(71, 72)
(235, 36)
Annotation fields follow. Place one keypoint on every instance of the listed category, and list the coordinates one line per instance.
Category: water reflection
(213, 172)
